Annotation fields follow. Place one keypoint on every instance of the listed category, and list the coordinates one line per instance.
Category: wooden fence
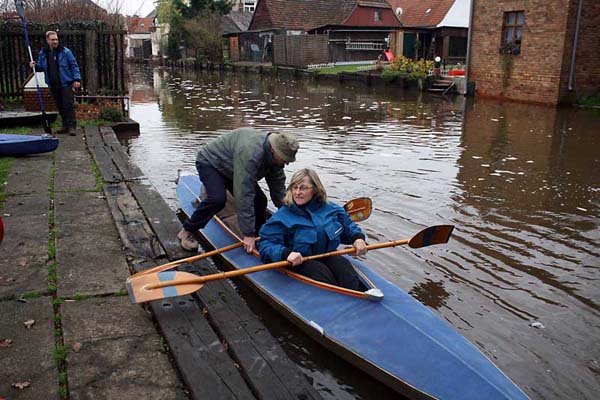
(100, 55)
(300, 50)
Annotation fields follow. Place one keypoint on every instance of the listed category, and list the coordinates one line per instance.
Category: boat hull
(397, 340)
(19, 145)
(20, 118)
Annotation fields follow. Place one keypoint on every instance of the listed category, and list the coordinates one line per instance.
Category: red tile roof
(414, 12)
(139, 25)
(306, 14)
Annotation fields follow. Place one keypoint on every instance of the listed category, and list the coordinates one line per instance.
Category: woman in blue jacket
(307, 225)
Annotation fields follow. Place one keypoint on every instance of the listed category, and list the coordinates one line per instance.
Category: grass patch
(51, 229)
(51, 247)
(97, 175)
(589, 101)
(62, 378)
(61, 352)
(17, 130)
(52, 273)
(121, 293)
(79, 296)
(58, 301)
(346, 68)
(31, 295)
(6, 164)
(95, 122)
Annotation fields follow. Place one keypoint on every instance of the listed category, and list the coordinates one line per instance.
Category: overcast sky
(128, 7)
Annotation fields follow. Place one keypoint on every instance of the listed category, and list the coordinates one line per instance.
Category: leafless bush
(59, 11)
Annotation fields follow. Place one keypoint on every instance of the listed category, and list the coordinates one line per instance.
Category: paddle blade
(140, 291)
(47, 128)
(20, 10)
(438, 234)
(358, 209)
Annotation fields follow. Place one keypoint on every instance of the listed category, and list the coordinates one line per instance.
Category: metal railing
(364, 46)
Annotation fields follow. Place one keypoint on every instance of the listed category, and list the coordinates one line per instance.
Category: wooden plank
(163, 221)
(161, 218)
(203, 362)
(209, 369)
(131, 222)
(119, 157)
(103, 159)
(272, 373)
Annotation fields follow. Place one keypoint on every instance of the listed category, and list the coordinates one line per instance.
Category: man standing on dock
(236, 161)
(62, 76)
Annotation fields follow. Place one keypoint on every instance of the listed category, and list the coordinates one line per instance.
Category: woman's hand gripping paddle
(156, 286)
(358, 209)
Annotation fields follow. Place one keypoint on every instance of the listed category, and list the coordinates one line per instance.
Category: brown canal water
(521, 276)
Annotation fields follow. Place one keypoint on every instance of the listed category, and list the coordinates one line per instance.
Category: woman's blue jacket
(315, 228)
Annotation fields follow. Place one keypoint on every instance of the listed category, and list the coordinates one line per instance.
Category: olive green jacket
(243, 156)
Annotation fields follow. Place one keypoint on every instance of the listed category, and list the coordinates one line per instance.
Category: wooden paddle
(359, 209)
(161, 285)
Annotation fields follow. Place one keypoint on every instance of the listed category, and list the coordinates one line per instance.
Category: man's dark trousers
(216, 186)
(63, 97)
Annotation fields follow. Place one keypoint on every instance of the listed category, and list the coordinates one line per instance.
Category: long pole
(21, 12)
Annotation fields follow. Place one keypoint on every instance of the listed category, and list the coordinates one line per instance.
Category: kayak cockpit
(227, 220)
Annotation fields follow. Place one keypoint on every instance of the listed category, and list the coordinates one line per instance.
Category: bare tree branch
(57, 11)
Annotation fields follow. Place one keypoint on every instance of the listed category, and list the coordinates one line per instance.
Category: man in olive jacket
(236, 161)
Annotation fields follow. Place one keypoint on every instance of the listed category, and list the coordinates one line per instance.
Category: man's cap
(285, 145)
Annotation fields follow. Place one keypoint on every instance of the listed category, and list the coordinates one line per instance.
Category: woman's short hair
(319, 189)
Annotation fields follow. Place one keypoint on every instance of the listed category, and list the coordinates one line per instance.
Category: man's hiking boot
(188, 241)
(64, 129)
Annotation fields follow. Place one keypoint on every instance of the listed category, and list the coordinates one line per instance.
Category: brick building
(31, 99)
(523, 50)
(348, 30)
(432, 28)
(139, 37)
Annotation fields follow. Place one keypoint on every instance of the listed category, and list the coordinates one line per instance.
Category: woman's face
(302, 192)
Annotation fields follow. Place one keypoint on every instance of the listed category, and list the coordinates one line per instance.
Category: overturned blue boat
(20, 145)
(388, 334)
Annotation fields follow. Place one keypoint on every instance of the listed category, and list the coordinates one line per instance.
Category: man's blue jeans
(216, 186)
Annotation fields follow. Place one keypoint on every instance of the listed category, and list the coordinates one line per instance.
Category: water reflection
(518, 181)
(430, 293)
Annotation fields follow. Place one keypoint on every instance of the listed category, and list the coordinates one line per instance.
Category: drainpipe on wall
(468, 63)
(572, 72)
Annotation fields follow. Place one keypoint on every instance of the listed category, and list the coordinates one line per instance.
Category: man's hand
(249, 244)
(360, 246)
(76, 85)
(32, 64)
(295, 258)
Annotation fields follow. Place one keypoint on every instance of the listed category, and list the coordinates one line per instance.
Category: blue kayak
(20, 145)
(388, 334)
